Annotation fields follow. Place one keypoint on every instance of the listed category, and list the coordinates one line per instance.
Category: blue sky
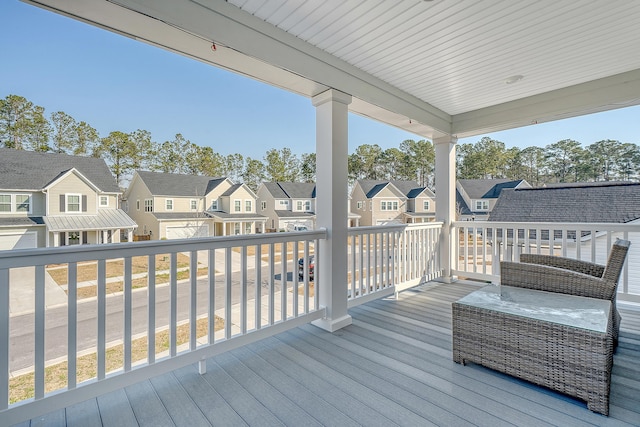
(115, 83)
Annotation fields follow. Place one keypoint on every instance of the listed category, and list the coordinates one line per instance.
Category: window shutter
(85, 236)
(63, 239)
(62, 206)
(84, 203)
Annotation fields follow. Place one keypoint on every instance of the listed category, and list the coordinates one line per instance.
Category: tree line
(25, 126)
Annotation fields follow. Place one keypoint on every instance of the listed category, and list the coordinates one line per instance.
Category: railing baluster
(151, 309)
(353, 264)
(243, 290)
(316, 275)
(127, 313)
(72, 324)
(102, 319)
(227, 293)
(294, 275)
(193, 309)
(39, 337)
(211, 312)
(593, 245)
(283, 281)
(173, 316)
(361, 265)
(258, 285)
(272, 284)
(4, 338)
(305, 276)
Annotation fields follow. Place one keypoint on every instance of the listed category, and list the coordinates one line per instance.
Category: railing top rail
(63, 254)
(600, 226)
(392, 227)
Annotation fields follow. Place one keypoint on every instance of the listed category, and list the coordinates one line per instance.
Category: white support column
(332, 204)
(56, 239)
(130, 235)
(445, 148)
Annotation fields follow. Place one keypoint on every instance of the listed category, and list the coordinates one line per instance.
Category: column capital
(446, 139)
(331, 95)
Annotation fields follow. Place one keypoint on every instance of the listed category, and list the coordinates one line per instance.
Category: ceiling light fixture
(513, 79)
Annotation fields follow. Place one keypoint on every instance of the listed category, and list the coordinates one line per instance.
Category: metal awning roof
(106, 219)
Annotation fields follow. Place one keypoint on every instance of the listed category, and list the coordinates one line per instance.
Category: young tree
(282, 165)
(144, 152)
(308, 167)
(16, 121)
(234, 166)
(561, 158)
(533, 163)
(64, 129)
(420, 161)
(40, 133)
(118, 150)
(254, 173)
(85, 139)
(170, 155)
(605, 156)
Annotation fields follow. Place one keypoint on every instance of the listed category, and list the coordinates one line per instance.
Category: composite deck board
(115, 409)
(392, 366)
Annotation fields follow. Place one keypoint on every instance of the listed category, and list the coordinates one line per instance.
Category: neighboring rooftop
(587, 203)
(172, 184)
(30, 170)
(487, 188)
(410, 189)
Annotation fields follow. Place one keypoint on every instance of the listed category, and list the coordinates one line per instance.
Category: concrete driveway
(22, 291)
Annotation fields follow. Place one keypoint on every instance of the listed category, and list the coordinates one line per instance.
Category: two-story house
(51, 199)
(288, 205)
(385, 202)
(175, 206)
(475, 198)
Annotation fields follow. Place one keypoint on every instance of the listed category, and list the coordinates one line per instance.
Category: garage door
(18, 240)
(187, 232)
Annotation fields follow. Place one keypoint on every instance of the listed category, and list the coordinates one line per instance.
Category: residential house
(384, 202)
(580, 203)
(475, 198)
(51, 199)
(287, 203)
(175, 206)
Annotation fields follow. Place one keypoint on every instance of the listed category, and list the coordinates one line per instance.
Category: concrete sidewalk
(22, 290)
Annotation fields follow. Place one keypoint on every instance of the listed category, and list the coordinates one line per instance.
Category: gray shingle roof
(231, 190)
(179, 215)
(171, 184)
(291, 190)
(618, 203)
(289, 214)
(29, 170)
(21, 221)
(480, 188)
(410, 189)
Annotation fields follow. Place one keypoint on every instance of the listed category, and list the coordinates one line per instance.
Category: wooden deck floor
(391, 367)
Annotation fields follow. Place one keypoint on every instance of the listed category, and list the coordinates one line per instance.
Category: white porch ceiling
(430, 67)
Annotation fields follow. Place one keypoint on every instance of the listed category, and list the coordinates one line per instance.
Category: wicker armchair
(570, 276)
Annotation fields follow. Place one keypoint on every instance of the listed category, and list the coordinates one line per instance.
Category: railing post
(332, 206)
(445, 165)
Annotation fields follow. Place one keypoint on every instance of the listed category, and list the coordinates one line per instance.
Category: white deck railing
(201, 296)
(236, 290)
(482, 244)
(387, 259)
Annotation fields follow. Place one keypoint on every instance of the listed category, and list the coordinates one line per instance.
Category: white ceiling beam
(621, 90)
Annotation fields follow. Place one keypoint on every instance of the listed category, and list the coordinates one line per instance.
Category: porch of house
(392, 366)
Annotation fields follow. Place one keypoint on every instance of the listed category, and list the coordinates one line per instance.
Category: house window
(73, 203)
(388, 206)
(359, 205)
(299, 205)
(284, 204)
(236, 206)
(263, 205)
(236, 228)
(168, 204)
(73, 238)
(137, 205)
(194, 205)
(214, 205)
(425, 205)
(247, 228)
(104, 201)
(482, 205)
(5, 202)
(248, 206)
(148, 205)
(307, 205)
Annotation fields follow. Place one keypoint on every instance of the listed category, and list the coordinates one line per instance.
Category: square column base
(333, 325)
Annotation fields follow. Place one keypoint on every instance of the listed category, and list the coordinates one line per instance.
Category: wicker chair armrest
(554, 279)
(585, 267)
